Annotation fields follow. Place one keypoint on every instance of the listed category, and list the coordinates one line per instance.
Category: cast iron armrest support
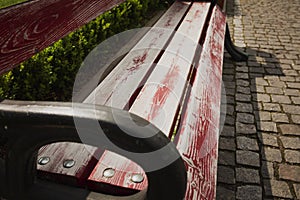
(27, 126)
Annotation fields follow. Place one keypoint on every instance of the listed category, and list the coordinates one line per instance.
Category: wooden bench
(167, 88)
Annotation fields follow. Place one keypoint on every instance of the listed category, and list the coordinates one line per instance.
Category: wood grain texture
(124, 169)
(28, 28)
(198, 132)
(161, 95)
(120, 85)
(58, 153)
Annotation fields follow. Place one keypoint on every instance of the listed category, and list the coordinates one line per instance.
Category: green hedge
(49, 75)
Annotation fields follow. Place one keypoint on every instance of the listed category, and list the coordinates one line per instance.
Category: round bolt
(44, 160)
(137, 178)
(108, 173)
(69, 163)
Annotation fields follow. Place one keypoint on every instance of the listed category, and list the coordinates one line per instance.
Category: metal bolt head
(137, 178)
(43, 160)
(108, 173)
(69, 163)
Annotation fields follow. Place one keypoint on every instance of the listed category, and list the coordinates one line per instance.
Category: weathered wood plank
(123, 169)
(58, 153)
(120, 85)
(32, 26)
(198, 132)
(160, 97)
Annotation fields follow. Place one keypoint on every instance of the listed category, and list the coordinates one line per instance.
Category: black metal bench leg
(235, 53)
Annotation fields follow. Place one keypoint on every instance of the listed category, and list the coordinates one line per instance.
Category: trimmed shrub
(49, 75)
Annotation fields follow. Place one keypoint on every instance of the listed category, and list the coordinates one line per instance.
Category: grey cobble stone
(290, 142)
(246, 143)
(290, 129)
(280, 99)
(263, 115)
(245, 118)
(245, 128)
(227, 144)
(267, 126)
(262, 97)
(277, 188)
(243, 97)
(226, 158)
(296, 119)
(271, 154)
(268, 139)
(280, 117)
(292, 156)
(226, 175)
(291, 92)
(244, 83)
(225, 194)
(297, 190)
(267, 170)
(244, 107)
(249, 192)
(289, 172)
(271, 107)
(247, 158)
(244, 90)
(296, 100)
(274, 90)
(291, 109)
(246, 175)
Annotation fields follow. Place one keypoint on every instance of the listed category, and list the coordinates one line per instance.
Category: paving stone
(280, 99)
(226, 175)
(245, 128)
(290, 129)
(291, 92)
(257, 88)
(291, 109)
(280, 117)
(246, 143)
(296, 119)
(226, 158)
(225, 194)
(243, 97)
(245, 118)
(242, 69)
(247, 158)
(270, 154)
(289, 172)
(274, 90)
(297, 190)
(262, 97)
(267, 126)
(240, 75)
(293, 85)
(268, 139)
(271, 107)
(227, 144)
(292, 156)
(244, 83)
(262, 116)
(276, 83)
(244, 90)
(246, 175)
(277, 188)
(229, 120)
(290, 142)
(267, 170)
(249, 192)
(228, 131)
(244, 107)
(261, 81)
(296, 100)
(230, 110)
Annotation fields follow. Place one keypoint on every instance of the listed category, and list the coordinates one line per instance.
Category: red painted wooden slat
(59, 153)
(120, 85)
(198, 132)
(30, 27)
(159, 99)
(127, 83)
(124, 170)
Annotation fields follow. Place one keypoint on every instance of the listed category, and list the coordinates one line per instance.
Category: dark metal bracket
(27, 126)
(235, 53)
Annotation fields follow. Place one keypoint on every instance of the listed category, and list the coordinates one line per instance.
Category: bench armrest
(27, 126)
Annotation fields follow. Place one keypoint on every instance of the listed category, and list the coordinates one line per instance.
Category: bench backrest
(30, 27)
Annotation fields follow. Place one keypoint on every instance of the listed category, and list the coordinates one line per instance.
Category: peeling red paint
(163, 91)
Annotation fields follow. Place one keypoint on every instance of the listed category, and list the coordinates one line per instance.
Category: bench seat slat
(160, 97)
(198, 132)
(118, 87)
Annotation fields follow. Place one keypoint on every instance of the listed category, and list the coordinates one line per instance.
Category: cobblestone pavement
(259, 148)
